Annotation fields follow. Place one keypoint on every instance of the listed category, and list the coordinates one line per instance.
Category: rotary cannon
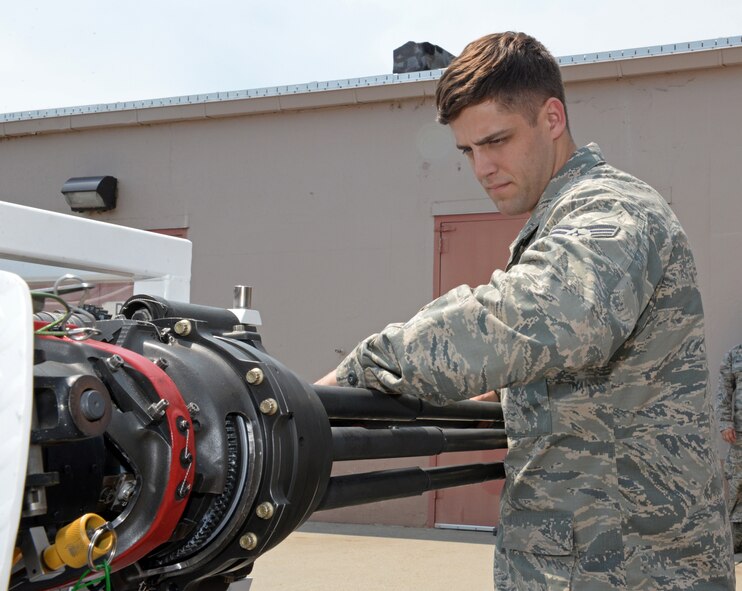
(169, 450)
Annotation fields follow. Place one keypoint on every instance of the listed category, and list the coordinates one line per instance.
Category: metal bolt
(161, 362)
(254, 376)
(265, 510)
(156, 410)
(186, 458)
(182, 424)
(248, 541)
(114, 362)
(183, 489)
(182, 327)
(193, 409)
(126, 491)
(269, 406)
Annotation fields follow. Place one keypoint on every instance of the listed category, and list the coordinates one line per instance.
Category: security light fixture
(90, 193)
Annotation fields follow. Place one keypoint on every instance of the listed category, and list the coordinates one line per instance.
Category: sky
(80, 52)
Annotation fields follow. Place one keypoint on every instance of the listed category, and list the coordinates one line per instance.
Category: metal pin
(156, 410)
(242, 296)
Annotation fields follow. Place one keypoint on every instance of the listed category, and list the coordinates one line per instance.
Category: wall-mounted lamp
(90, 193)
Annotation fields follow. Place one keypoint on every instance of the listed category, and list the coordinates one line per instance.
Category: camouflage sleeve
(572, 300)
(724, 394)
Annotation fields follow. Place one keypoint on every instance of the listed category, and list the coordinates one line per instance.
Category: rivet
(265, 510)
(269, 406)
(254, 376)
(182, 327)
(248, 541)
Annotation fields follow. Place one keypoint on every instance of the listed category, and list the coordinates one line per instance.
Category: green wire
(81, 584)
(47, 329)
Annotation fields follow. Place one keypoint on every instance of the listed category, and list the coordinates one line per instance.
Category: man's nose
(484, 165)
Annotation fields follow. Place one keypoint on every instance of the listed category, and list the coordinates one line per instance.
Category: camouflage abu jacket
(729, 393)
(595, 337)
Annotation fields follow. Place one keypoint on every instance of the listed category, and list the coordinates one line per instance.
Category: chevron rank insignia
(593, 231)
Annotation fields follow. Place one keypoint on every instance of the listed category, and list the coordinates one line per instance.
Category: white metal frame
(158, 265)
(16, 367)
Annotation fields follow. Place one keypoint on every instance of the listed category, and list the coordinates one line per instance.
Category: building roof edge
(352, 84)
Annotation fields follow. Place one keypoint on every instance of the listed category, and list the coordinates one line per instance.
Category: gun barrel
(359, 443)
(369, 487)
(362, 404)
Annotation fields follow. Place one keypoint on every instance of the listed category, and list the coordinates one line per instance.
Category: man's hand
(329, 380)
(729, 435)
(491, 396)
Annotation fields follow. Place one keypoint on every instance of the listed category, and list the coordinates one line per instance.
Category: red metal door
(469, 248)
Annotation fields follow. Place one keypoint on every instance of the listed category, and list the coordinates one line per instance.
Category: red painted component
(172, 506)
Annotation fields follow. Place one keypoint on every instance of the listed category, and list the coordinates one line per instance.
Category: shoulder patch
(593, 231)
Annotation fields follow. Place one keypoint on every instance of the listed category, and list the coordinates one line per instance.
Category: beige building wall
(325, 201)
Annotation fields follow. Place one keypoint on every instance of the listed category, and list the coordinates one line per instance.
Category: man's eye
(466, 151)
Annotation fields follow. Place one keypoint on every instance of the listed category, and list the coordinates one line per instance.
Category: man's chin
(507, 207)
(511, 205)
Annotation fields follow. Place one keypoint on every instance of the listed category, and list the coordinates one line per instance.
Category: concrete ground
(322, 556)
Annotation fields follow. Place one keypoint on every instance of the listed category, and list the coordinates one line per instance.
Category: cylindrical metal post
(242, 296)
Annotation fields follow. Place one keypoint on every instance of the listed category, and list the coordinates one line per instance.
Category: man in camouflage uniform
(729, 410)
(594, 338)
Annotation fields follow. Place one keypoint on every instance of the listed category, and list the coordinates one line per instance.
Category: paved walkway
(325, 556)
(322, 556)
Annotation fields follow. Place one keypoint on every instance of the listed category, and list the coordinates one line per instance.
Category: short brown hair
(513, 69)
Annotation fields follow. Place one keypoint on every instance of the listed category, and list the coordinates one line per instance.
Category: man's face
(512, 159)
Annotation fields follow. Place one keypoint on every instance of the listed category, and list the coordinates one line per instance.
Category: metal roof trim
(651, 51)
(350, 83)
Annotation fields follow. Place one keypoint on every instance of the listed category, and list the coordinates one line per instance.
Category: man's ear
(556, 116)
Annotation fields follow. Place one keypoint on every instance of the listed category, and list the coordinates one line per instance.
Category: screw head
(248, 541)
(255, 376)
(265, 510)
(115, 361)
(182, 327)
(269, 406)
(161, 362)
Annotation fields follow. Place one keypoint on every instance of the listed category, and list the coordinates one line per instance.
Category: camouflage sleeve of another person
(724, 394)
(571, 301)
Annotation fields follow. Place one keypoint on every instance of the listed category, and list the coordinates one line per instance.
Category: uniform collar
(582, 160)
